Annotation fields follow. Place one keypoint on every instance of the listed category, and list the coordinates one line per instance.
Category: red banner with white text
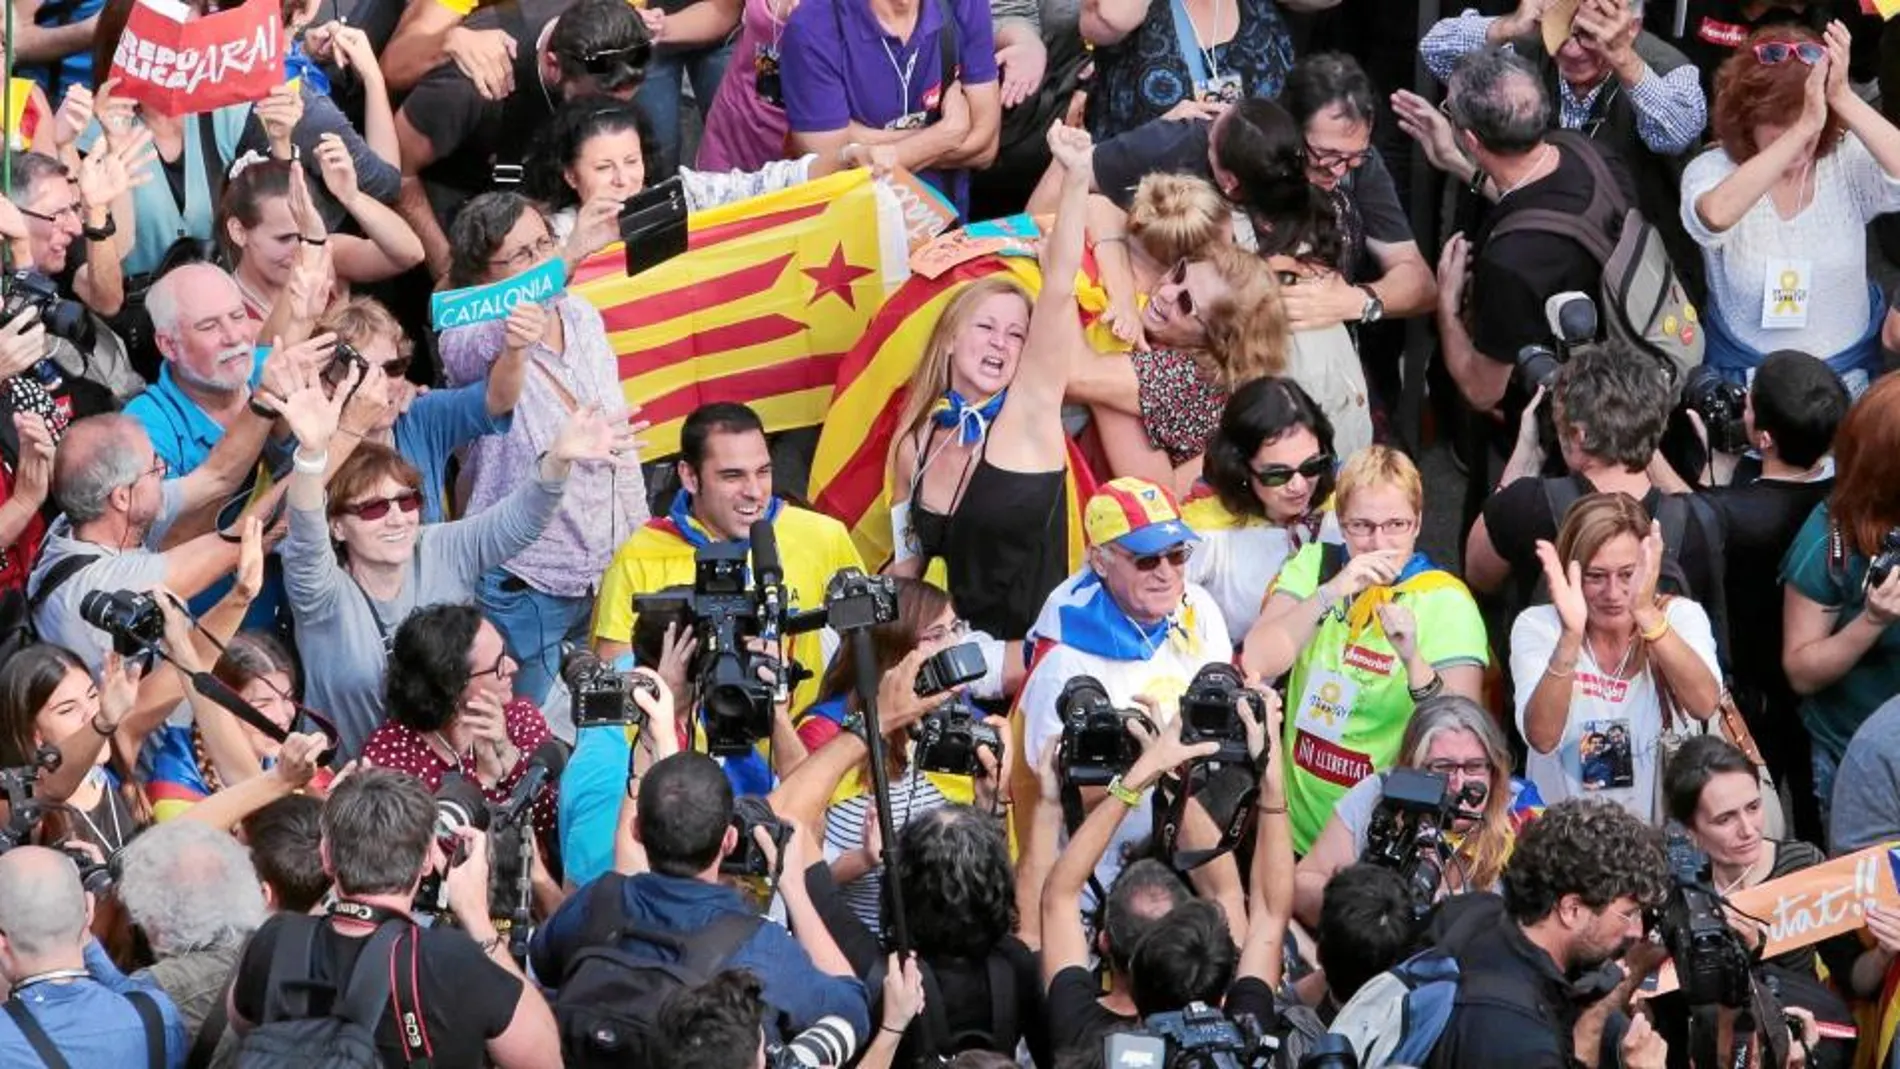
(178, 64)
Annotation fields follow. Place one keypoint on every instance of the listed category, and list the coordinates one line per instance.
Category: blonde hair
(1594, 521)
(1487, 846)
(932, 376)
(357, 320)
(1246, 327)
(1176, 217)
(1378, 465)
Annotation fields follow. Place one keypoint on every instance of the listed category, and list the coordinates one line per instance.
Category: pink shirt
(742, 131)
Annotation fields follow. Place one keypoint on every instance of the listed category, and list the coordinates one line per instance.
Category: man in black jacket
(1574, 896)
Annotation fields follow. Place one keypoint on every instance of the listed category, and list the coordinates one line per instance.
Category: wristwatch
(101, 233)
(1374, 309)
(853, 722)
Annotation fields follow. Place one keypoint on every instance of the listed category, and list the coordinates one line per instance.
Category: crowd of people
(370, 693)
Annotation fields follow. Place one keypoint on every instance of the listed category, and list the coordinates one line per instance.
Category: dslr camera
(1720, 403)
(1209, 713)
(1096, 746)
(135, 621)
(1572, 318)
(1408, 832)
(948, 739)
(748, 859)
(1884, 562)
(62, 318)
(600, 695)
(1199, 1037)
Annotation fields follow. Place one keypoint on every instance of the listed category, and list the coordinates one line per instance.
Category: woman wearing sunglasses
(1447, 736)
(359, 559)
(1779, 207)
(1268, 493)
(1366, 631)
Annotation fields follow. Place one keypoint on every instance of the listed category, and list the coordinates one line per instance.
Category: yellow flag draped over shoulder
(761, 308)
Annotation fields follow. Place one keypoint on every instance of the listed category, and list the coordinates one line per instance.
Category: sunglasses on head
(1148, 562)
(377, 508)
(1274, 476)
(1773, 52)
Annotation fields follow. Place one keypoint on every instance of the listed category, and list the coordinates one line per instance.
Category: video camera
(599, 695)
(1408, 831)
(1209, 713)
(748, 858)
(1713, 966)
(1199, 1037)
(1096, 746)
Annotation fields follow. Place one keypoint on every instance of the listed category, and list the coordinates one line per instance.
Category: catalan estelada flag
(850, 468)
(761, 308)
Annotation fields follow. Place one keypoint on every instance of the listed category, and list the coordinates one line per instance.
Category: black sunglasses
(1274, 476)
(1148, 562)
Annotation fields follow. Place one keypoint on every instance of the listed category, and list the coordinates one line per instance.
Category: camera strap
(1072, 815)
(1170, 811)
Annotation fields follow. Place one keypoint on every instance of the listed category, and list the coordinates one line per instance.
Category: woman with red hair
(1780, 206)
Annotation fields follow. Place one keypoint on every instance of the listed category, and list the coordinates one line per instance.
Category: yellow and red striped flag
(761, 308)
(850, 471)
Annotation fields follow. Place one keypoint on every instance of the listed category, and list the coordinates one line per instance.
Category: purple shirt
(742, 131)
(839, 67)
(605, 503)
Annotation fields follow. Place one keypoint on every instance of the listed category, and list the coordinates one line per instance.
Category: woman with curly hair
(1802, 161)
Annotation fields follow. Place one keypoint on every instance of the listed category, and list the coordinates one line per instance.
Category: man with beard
(1574, 896)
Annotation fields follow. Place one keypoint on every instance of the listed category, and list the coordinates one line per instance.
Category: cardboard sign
(479, 304)
(1016, 235)
(1806, 907)
(1886, 9)
(180, 65)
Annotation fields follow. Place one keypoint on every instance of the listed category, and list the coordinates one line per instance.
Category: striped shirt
(912, 794)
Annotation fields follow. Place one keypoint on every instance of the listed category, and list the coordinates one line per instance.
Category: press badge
(1784, 299)
(766, 77)
(1224, 89)
(915, 120)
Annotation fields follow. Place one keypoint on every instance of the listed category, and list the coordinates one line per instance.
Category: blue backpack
(1398, 1016)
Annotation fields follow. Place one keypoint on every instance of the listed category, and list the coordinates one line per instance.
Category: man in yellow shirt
(726, 471)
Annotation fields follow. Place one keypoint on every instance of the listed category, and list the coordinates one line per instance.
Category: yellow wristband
(1661, 630)
(1123, 794)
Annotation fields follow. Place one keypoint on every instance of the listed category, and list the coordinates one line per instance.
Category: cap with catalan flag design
(1136, 515)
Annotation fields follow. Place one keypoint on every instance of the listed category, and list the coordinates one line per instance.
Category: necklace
(1621, 665)
(1535, 172)
(1742, 880)
(456, 760)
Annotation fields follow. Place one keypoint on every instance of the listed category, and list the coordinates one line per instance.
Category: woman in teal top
(183, 202)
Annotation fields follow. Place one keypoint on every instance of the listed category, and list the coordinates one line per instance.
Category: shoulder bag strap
(36, 1036)
(1003, 1023)
(365, 995)
(211, 159)
(936, 1022)
(154, 1023)
(56, 577)
(205, 1044)
(605, 915)
(290, 967)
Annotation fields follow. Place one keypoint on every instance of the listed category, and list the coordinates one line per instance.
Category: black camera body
(748, 858)
(1209, 713)
(726, 613)
(1884, 562)
(135, 621)
(951, 667)
(1712, 964)
(1096, 746)
(1409, 827)
(1721, 404)
(948, 739)
(27, 288)
(1198, 1037)
(599, 695)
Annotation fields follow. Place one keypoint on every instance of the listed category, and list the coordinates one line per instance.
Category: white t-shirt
(1235, 565)
(1620, 719)
(1162, 677)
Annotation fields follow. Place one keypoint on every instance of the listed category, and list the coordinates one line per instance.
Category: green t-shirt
(1835, 712)
(1347, 696)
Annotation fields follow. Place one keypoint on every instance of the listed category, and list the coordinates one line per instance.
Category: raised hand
(527, 322)
(349, 46)
(1401, 629)
(1367, 570)
(178, 640)
(898, 705)
(1161, 751)
(587, 436)
(112, 170)
(22, 343)
(1649, 559)
(311, 412)
(33, 475)
(1814, 101)
(303, 210)
(1425, 124)
(1191, 109)
(297, 759)
(118, 690)
(1020, 68)
(280, 111)
(250, 570)
(1839, 44)
(1566, 588)
(114, 113)
(485, 57)
(1072, 147)
(338, 169)
(73, 116)
(596, 226)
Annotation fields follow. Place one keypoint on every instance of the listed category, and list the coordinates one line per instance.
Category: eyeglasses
(1331, 158)
(158, 468)
(1471, 769)
(1368, 528)
(1444, 108)
(1148, 562)
(55, 215)
(1772, 53)
(524, 257)
(501, 669)
(956, 629)
(1274, 476)
(396, 368)
(377, 508)
(1183, 300)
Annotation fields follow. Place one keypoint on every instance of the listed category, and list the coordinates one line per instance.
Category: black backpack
(609, 1000)
(17, 630)
(289, 1037)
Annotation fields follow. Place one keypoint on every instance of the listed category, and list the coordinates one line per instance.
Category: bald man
(64, 988)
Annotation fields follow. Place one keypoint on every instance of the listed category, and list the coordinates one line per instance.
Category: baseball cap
(1556, 23)
(1136, 515)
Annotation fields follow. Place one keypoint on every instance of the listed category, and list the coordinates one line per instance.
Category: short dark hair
(953, 871)
(685, 809)
(1595, 850)
(715, 1025)
(1800, 401)
(1326, 80)
(1496, 94)
(428, 665)
(1188, 957)
(377, 826)
(478, 230)
(1366, 926)
(719, 417)
(1130, 912)
(649, 628)
(604, 40)
(1257, 413)
(1620, 399)
(1696, 762)
(284, 838)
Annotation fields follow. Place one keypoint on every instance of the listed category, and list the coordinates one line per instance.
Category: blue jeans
(660, 96)
(534, 625)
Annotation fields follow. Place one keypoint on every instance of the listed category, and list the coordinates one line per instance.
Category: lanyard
(903, 75)
(1200, 62)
